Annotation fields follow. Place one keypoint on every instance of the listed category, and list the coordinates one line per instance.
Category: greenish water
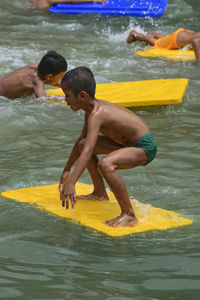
(43, 257)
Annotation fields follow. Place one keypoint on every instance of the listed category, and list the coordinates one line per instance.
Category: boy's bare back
(116, 122)
(20, 82)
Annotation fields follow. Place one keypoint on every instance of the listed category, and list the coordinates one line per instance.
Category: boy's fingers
(73, 200)
(67, 202)
(62, 198)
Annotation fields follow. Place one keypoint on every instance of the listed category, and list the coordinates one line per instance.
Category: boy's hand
(68, 193)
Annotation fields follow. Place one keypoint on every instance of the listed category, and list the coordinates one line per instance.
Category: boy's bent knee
(105, 165)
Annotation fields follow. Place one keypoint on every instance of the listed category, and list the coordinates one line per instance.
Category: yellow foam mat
(94, 213)
(139, 93)
(177, 55)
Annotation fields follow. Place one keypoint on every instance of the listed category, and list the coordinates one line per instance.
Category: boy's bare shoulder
(112, 107)
(26, 70)
(30, 67)
(114, 113)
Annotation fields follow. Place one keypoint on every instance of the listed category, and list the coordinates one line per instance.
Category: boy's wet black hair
(80, 79)
(52, 63)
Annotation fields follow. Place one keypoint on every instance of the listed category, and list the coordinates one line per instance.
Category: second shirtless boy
(32, 78)
(108, 129)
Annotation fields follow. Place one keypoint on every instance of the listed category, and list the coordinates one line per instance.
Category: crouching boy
(108, 129)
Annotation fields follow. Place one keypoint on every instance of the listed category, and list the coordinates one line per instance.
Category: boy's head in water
(52, 67)
(31, 79)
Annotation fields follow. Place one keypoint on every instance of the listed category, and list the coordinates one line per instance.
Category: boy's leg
(99, 192)
(104, 145)
(124, 158)
(137, 36)
(158, 35)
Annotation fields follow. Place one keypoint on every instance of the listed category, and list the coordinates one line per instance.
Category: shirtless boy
(48, 3)
(178, 39)
(31, 79)
(108, 129)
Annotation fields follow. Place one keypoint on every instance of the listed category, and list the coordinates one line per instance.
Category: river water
(44, 257)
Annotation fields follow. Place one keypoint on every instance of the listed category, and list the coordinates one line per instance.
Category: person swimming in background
(32, 78)
(48, 3)
(177, 40)
(108, 129)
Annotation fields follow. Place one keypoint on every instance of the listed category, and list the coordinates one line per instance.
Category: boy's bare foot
(131, 37)
(92, 196)
(123, 220)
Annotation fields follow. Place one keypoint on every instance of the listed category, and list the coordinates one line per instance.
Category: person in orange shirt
(48, 3)
(176, 40)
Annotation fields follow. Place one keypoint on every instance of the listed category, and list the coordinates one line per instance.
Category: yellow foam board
(177, 55)
(93, 213)
(139, 93)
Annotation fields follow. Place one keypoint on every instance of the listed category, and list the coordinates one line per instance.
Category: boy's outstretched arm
(68, 191)
(39, 88)
(51, 2)
(71, 160)
(196, 47)
(75, 153)
(48, 3)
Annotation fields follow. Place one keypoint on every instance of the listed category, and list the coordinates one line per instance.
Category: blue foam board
(137, 8)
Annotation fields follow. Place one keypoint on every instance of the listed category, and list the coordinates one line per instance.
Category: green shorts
(148, 144)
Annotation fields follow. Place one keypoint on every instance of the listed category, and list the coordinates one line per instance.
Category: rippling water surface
(44, 257)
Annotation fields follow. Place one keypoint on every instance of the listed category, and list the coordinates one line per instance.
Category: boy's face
(70, 99)
(57, 78)
(54, 79)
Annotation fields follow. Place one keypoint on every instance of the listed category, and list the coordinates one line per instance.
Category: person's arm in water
(48, 3)
(196, 48)
(72, 158)
(39, 88)
(68, 191)
(51, 2)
